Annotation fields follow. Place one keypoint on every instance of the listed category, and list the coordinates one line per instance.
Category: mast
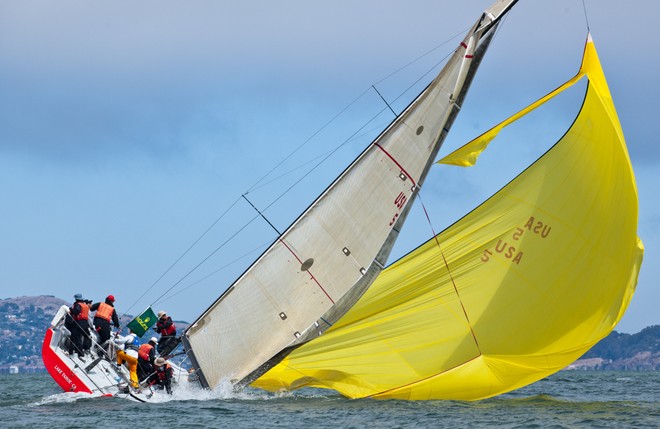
(325, 261)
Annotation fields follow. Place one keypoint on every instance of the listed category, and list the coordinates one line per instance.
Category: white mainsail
(321, 265)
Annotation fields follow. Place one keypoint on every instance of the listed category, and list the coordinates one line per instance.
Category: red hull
(57, 369)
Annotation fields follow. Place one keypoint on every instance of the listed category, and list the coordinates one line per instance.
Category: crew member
(105, 313)
(80, 326)
(167, 330)
(146, 359)
(164, 372)
(127, 353)
(87, 336)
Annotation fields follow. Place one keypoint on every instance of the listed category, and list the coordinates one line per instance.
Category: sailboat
(514, 291)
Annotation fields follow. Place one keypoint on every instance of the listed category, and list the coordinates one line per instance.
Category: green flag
(143, 322)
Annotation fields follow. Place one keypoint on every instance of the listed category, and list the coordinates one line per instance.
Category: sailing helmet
(78, 297)
(110, 298)
(161, 313)
(153, 340)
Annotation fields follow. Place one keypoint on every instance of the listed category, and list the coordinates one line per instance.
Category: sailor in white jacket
(127, 352)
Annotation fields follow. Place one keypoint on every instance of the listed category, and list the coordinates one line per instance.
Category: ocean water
(569, 399)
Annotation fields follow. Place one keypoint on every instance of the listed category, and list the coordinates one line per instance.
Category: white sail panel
(292, 291)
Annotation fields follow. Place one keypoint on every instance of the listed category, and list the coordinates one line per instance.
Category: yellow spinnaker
(540, 272)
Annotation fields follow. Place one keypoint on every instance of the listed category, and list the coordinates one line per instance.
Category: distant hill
(48, 303)
(640, 351)
(24, 320)
(23, 324)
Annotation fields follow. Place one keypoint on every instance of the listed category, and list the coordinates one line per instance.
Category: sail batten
(346, 235)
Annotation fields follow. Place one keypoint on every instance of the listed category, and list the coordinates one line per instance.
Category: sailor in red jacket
(167, 330)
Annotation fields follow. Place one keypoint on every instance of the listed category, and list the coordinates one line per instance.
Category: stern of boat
(96, 373)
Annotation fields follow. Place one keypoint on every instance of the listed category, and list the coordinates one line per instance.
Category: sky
(127, 129)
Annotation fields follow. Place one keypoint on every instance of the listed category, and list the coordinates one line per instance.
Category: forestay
(329, 256)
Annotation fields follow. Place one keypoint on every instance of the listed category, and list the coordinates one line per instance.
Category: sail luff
(330, 254)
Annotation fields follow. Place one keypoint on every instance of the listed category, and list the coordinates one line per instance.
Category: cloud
(141, 118)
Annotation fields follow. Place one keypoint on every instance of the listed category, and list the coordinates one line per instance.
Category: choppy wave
(193, 392)
(183, 392)
(63, 398)
(226, 391)
(593, 399)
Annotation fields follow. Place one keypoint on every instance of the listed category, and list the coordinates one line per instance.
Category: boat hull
(96, 373)
(60, 370)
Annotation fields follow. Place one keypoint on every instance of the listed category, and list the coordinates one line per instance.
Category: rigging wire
(423, 55)
(243, 256)
(451, 276)
(353, 102)
(293, 152)
(207, 258)
(182, 255)
(442, 254)
(324, 158)
(262, 215)
(367, 132)
(385, 101)
(586, 17)
(422, 76)
(353, 136)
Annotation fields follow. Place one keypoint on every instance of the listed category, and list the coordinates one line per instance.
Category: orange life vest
(84, 312)
(144, 351)
(105, 311)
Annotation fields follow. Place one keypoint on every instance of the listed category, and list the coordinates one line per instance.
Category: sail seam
(396, 162)
(373, 395)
